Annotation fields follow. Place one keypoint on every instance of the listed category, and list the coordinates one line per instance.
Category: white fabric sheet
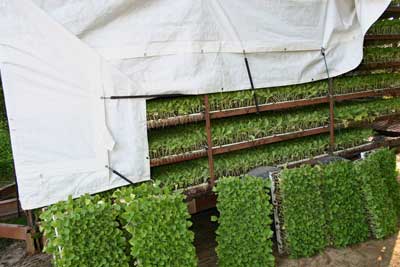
(196, 46)
(63, 134)
(58, 57)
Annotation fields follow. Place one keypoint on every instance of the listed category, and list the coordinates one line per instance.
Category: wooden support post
(209, 140)
(34, 229)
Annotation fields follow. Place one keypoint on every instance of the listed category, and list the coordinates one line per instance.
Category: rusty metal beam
(382, 37)
(258, 142)
(393, 9)
(376, 66)
(204, 189)
(269, 140)
(209, 140)
(197, 190)
(178, 158)
(372, 93)
(269, 107)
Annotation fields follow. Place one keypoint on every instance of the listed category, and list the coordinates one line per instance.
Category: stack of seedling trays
(197, 138)
(335, 203)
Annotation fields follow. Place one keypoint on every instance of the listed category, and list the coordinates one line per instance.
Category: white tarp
(58, 57)
(63, 134)
(196, 46)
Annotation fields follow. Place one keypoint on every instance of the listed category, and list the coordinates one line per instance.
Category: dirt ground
(15, 256)
(374, 253)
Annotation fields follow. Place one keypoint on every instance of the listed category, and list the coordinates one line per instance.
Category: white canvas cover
(196, 46)
(58, 57)
(63, 134)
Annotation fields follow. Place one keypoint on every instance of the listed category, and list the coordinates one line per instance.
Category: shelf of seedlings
(196, 139)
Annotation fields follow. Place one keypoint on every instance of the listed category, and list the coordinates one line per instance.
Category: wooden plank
(192, 206)
(7, 191)
(30, 244)
(8, 207)
(173, 121)
(376, 66)
(197, 190)
(13, 231)
(178, 158)
(203, 202)
(206, 202)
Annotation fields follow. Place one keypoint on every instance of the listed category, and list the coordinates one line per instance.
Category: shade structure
(61, 59)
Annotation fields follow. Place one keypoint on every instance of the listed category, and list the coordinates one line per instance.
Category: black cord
(120, 175)
(251, 82)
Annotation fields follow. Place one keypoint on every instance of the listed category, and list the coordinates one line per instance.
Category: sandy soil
(15, 256)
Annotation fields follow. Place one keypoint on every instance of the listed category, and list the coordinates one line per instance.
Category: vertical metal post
(209, 140)
(246, 61)
(331, 97)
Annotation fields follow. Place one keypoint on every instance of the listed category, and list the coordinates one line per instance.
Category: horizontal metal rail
(8, 208)
(382, 37)
(219, 114)
(377, 66)
(269, 140)
(393, 8)
(178, 158)
(258, 142)
(204, 189)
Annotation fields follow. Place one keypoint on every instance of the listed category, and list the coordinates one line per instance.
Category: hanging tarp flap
(59, 57)
(63, 134)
